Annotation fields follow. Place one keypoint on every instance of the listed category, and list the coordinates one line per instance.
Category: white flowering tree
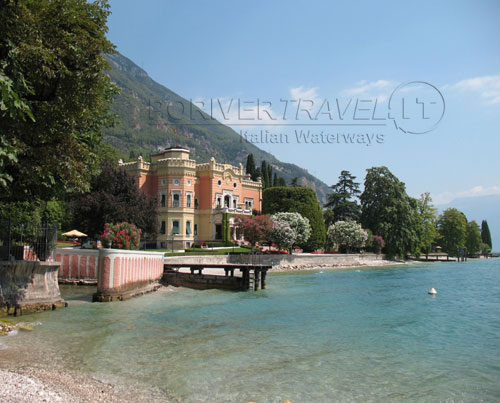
(283, 235)
(347, 234)
(298, 224)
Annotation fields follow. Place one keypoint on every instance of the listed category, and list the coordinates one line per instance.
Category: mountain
(478, 209)
(146, 126)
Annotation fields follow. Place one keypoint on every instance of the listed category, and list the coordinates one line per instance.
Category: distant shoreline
(312, 266)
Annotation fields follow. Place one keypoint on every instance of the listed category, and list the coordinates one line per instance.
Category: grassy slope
(144, 126)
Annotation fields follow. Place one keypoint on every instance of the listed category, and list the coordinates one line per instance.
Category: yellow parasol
(74, 233)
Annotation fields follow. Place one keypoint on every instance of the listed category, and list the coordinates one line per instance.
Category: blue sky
(317, 50)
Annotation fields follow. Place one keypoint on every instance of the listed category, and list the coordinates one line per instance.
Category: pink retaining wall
(124, 273)
(118, 273)
(77, 264)
(119, 268)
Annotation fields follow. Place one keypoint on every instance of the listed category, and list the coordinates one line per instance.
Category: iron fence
(27, 240)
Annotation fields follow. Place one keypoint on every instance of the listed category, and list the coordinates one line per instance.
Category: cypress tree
(265, 174)
(485, 233)
(281, 181)
(275, 179)
(251, 166)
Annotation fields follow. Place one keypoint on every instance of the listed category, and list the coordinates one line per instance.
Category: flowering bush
(378, 243)
(283, 234)
(253, 229)
(297, 223)
(121, 236)
(348, 234)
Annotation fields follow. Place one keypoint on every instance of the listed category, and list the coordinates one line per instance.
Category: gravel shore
(29, 384)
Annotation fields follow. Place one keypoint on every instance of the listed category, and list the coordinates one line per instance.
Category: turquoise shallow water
(369, 334)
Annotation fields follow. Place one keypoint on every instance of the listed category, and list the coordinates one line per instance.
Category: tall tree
(388, 211)
(114, 197)
(473, 238)
(269, 175)
(428, 217)
(343, 199)
(265, 174)
(452, 227)
(300, 200)
(281, 181)
(485, 233)
(275, 180)
(52, 58)
(250, 167)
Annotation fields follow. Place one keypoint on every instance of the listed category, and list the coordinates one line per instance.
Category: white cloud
(488, 87)
(380, 89)
(303, 93)
(447, 197)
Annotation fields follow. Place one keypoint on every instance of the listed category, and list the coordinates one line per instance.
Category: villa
(197, 202)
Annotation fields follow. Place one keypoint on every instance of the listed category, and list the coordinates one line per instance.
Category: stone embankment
(299, 261)
(29, 286)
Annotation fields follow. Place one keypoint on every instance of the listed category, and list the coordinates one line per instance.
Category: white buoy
(432, 291)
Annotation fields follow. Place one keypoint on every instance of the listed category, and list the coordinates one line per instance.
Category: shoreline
(312, 266)
(34, 373)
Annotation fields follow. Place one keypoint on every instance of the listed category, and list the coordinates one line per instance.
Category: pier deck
(252, 276)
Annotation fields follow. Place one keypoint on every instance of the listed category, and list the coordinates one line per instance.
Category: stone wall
(302, 259)
(78, 266)
(28, 286)
(126, 273)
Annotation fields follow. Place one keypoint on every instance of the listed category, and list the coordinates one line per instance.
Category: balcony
(233, 210)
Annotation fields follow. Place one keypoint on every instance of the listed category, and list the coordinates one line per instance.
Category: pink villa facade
(193, 199)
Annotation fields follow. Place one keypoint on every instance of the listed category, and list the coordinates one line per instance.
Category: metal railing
(27, 240)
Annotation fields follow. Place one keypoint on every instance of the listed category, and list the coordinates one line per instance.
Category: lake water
(370, 334)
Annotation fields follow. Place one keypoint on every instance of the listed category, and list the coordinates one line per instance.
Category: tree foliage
(253, 228)
(114, 197)
(428, 218)
(55, 95)
(250, 167)
(300, 200)
(343, 199)
(283, 234)
(347, 235)
(265, 172)
(299, 224)
(389, 212)
(378, 243)
(452, 227)
(473, 238)
(485, 233)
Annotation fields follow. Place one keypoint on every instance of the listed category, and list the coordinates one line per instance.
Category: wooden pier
(253, 277)
(435, 257)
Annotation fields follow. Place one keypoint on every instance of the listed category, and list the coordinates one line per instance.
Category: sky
(342, 70)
